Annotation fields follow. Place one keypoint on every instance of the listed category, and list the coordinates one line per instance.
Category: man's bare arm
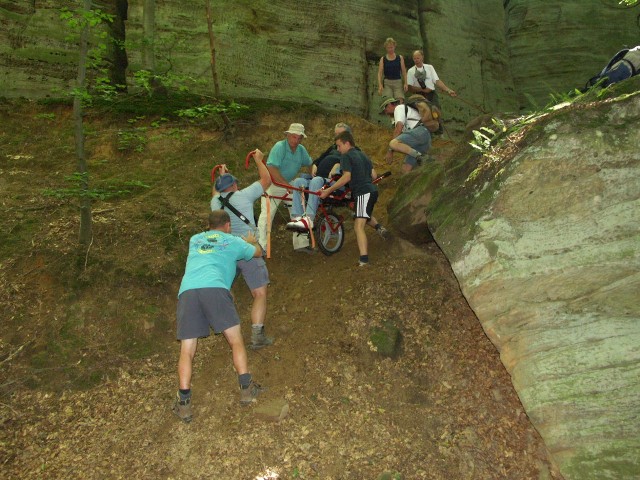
(251, 238)
(276, 176)
(263, 171)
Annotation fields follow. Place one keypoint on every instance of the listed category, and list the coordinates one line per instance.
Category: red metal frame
(339, 199)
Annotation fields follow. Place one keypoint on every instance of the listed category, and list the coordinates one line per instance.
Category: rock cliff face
(546, 248)
(495, 54)
(560, 45)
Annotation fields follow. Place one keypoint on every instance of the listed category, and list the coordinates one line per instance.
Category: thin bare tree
(149, 32)
(86, 229)
(212, 44)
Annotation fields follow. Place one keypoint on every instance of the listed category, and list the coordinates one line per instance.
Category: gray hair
(342, 125)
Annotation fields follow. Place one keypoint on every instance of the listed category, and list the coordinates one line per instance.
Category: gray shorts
(254, 271)
(417, 138)
(200, 309)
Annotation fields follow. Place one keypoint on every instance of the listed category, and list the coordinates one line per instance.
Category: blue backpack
(609, 76)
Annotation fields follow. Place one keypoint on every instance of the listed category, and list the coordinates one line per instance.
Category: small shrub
(132, 140)
(111, 190)
(46, 116)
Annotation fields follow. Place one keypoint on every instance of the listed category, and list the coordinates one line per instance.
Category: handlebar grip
(246, 160)
(213, 172)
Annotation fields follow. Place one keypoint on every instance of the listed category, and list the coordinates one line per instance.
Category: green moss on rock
(386, 339)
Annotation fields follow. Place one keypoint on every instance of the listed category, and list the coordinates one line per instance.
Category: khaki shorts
(393, 89)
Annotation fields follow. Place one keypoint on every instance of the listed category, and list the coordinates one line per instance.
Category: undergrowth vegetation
(75, 316)
(497, 142)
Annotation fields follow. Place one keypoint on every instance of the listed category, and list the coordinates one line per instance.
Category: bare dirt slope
(444, 408)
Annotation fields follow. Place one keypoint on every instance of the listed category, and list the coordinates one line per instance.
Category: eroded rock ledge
(547, 252)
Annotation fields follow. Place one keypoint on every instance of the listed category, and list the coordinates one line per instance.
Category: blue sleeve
(254, 191)
(249, 251)
(244, 250)
(275, 155)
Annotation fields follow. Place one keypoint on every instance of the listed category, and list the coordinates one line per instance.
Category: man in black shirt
(323, 165)
(357, 170)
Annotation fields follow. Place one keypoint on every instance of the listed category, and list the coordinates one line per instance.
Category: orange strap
(313, 238)
(268, 226)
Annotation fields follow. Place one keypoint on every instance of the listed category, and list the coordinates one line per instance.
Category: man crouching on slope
(204, 302)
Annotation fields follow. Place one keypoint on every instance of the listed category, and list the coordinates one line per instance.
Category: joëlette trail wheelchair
(328, 224)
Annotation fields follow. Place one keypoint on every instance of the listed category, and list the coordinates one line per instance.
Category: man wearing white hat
(285, 160)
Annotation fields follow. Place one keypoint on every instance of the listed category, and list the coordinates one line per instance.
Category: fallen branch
(16, 352)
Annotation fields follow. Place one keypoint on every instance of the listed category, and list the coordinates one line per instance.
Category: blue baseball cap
(224, 181)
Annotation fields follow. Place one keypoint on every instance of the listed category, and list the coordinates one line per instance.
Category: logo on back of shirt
(212, 243)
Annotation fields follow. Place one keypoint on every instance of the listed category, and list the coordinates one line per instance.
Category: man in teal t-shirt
(205, 302)
(285, 160)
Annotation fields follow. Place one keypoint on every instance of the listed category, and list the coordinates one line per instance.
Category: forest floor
(89, 364)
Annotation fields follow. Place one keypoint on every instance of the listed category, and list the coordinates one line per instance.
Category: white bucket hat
(296, 129)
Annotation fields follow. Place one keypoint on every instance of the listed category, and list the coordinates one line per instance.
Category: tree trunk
(118, 61)
(149, 35)
(214, 74)
(85, 234)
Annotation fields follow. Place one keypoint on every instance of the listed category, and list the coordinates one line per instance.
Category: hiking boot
(248, 395)
(303, 225)
(259, 339)
(182, 409)
(383, 232)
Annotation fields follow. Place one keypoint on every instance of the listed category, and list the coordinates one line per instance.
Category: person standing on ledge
(392, 73)
(423, 80)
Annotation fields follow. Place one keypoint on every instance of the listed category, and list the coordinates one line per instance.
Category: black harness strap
(225, 203)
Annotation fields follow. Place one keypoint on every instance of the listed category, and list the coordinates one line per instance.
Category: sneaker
(248, 395)
(308, 250)
(420, 159)
(383, 232)
(362, 264)
(259, 339)
(182, 409)
(303, 225)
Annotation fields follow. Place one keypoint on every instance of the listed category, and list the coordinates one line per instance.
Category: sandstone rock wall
(557, 46)
(326, 52)
(470, 55)
(35, 58)
(323, 52)
(546, 248)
